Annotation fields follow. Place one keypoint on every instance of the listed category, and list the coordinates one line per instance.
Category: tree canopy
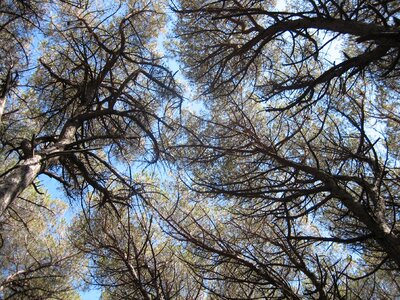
(266, 167)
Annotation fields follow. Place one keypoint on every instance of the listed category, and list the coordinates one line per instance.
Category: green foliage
(292, 149)
(37, 260)
(283, 184)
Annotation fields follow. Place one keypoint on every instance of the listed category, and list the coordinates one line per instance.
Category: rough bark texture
(2, 105)
(4, 89)
(18, 179)
(14, 182)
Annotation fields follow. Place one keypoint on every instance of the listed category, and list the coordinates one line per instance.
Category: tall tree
(96, 98)
(290, 170)
(297, 140)
(86, 112)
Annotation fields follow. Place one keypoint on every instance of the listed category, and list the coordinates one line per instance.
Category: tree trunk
(5, 88)
(2, 105)
(14, 182)
(17, 180)
(381, 232)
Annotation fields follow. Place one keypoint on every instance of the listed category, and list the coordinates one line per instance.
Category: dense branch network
(295, 145)
(280, 180)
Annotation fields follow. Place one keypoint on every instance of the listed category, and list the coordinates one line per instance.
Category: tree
(296, 143)
(130, 257)
(97, 97)
(17, 19)
(286, 180)
(87, 112)
(37, 260)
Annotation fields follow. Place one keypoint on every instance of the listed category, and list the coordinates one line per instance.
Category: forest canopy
(203, 149)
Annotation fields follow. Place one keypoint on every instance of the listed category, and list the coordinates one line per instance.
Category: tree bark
(2, 105)
(4, 90)
(18, 179)
(15, 181)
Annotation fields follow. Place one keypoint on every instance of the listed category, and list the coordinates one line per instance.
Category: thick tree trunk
(382, 234)
(13, 183)
(2, 105)
(4, 89)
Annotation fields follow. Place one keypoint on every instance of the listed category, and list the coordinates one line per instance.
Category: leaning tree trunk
(16, 180)
(2, 105)
(375, 223)
(8, 82)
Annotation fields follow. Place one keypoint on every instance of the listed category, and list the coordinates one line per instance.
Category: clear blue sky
(91, 295)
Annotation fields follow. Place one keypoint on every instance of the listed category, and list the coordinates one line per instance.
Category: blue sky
(54, 189)
(91, 295)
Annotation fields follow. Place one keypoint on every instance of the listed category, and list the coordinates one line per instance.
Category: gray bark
(4, 89)
(2, 105)
(14, 182)
(17, 180)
